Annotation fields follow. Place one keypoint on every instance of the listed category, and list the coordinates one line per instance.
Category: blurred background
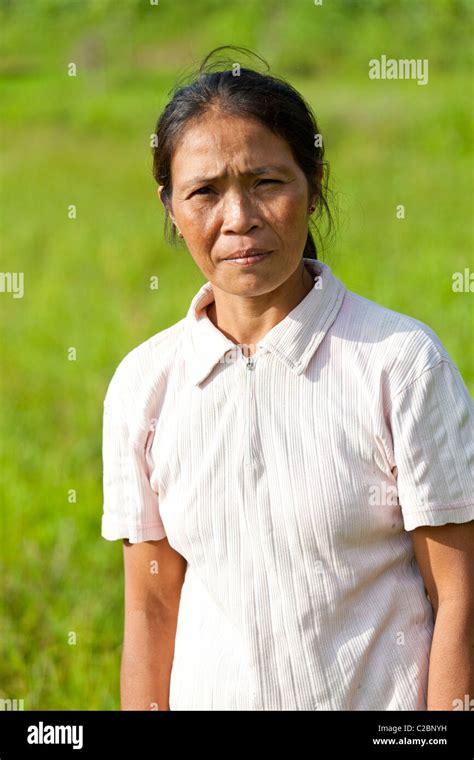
(87, 301)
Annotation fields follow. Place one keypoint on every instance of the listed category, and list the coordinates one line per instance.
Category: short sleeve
(433, 444)
(130, 505)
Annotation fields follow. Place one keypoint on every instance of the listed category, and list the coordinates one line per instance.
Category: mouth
(248, 257)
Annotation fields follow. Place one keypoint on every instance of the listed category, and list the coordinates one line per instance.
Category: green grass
(85, 141)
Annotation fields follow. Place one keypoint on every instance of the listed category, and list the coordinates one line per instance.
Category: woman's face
(237, 186)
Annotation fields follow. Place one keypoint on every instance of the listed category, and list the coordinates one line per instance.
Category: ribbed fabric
(290, 488)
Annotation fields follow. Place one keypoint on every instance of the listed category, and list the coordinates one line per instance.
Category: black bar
(322, 734)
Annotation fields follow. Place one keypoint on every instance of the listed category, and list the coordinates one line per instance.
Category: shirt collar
(293, 340)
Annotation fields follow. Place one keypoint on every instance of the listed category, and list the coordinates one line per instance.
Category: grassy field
(85, 141)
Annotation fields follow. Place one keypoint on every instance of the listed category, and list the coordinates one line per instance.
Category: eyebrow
(250, 173)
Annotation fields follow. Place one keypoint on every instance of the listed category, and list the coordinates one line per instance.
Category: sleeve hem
(112, 531)
(459, 513)
(434, 506)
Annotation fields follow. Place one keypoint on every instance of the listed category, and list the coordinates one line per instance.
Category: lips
(246, 253)
(247, 257)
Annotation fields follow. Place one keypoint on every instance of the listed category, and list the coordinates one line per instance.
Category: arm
(445, 556)
(154, 575)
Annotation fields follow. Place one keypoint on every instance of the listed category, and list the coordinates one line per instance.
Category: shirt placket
(251, 463)
(251, 454)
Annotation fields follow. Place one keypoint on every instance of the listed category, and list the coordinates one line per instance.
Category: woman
(289, 464)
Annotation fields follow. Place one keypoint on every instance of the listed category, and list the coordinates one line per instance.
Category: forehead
(215, 138)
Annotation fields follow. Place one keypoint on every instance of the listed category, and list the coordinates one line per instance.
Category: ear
(159, 192)
(161, 196)
(318, 179)
(313, 197)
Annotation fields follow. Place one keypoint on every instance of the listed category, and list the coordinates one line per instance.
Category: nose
(239, 214)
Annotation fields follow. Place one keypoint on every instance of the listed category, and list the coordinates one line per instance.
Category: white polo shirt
(289, 484)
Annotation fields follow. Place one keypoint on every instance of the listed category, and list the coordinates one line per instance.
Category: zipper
(250, 362)
(251, 453)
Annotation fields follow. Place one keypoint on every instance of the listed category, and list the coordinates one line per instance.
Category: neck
(246, 320)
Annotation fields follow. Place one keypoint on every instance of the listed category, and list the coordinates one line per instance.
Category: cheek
(200, 232)
(199, 223)
(289, 216)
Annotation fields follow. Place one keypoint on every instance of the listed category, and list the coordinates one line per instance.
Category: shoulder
(143, 369)
(396, 344)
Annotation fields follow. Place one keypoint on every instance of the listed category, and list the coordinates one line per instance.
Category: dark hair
(244, 92)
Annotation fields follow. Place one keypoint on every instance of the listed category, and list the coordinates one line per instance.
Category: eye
(269, 180)
(200, 191)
